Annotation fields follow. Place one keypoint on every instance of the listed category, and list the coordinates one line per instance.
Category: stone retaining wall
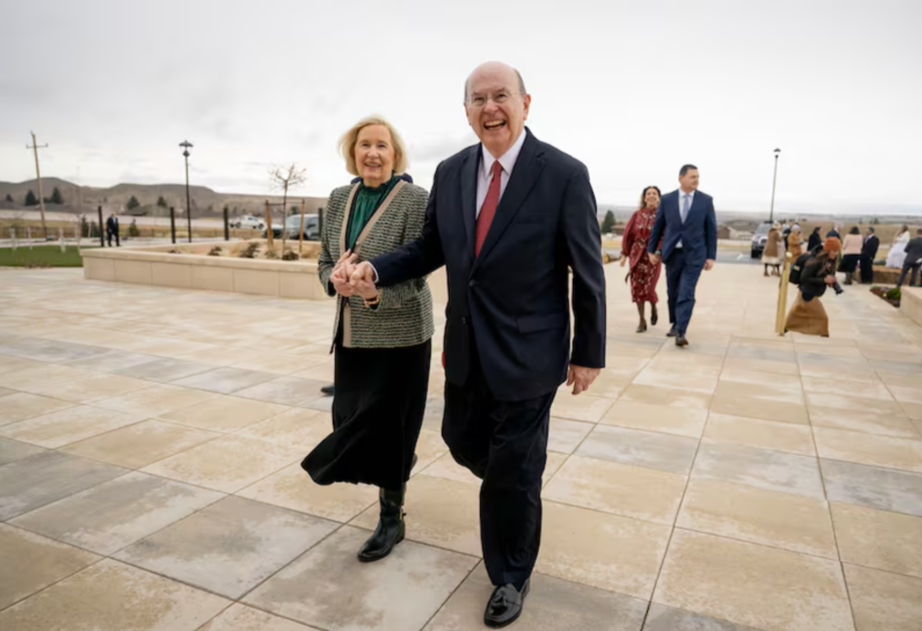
(194, 269)
(911, 303)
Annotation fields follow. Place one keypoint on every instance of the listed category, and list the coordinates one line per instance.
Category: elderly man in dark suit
(687, 224)
(510, 218)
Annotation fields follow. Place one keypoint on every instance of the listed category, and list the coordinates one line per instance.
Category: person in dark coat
(815, 239)
(112, 229)
(868, 254)
(913, 260)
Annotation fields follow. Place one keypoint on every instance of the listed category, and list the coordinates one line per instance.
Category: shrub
(215, 251)
(894, 294)
(250, 251)
(290, 255)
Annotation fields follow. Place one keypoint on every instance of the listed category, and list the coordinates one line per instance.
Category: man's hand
(708, 265)
(581, 378)
(654, 258)
(362, 280)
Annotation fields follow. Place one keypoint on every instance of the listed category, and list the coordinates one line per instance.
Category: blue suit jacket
(698, 234)
(510, 305)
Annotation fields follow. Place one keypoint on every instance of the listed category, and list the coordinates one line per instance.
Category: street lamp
(774, 180)
(186, 145)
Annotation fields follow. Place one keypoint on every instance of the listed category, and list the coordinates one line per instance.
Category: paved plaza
(151, 439)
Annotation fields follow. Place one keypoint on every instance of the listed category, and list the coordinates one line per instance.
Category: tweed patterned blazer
(404, 315)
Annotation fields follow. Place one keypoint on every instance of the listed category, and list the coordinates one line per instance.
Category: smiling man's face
(496, 108)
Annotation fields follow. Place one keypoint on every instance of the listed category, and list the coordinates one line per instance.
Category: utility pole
(186, 145)
(774, 180)
(38, 175)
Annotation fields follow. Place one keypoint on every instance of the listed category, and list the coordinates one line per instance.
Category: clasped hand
(349, 277)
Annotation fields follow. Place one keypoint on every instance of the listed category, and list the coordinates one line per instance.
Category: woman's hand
(623, 260)
(342, 271)
(830, 280)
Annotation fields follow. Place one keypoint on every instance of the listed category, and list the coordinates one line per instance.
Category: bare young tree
(285, 177)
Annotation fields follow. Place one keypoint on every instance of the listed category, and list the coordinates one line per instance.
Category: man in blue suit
(509, 218)
(687, 224)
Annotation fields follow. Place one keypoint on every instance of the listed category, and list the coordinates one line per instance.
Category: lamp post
(186, 145)
(774, 180)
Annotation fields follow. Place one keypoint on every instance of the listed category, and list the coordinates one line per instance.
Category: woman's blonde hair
(347, 144)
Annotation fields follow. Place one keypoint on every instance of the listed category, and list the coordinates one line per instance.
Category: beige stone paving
(151, 438)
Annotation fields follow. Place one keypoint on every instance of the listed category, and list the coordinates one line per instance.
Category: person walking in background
(834, 232)
(807, 314)
(643, 273)
(795, 245)
(515, 223)
(112, 230)
(774, 250)
(851, 253)
(685, 237)
(815, 240)
(868, 254)
(913, 260)
(381, 338)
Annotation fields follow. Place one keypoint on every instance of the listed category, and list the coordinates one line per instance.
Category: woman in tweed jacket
(382, 340)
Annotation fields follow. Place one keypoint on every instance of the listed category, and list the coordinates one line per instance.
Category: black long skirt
(378, 408)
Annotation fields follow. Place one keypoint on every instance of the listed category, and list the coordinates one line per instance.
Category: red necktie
(488, 210)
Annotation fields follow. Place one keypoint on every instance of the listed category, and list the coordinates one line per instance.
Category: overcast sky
(633, 89)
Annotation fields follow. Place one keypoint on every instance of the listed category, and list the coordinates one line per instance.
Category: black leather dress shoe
(328, 390)
(505, 605)
(680, 340)
(672, 332)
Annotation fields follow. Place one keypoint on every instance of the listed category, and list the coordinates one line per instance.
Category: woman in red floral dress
(643, 273)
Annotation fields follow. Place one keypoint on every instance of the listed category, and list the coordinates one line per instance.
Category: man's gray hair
(467, 85)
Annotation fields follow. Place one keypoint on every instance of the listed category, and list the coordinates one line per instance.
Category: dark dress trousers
(508, 331)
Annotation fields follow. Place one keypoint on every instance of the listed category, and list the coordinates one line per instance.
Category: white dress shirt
(691, 201)
(485, 172)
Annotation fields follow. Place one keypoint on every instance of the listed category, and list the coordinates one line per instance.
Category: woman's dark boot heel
(391, 527)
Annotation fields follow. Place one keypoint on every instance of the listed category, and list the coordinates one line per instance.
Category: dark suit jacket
(510, 304)
(869, 249)
(698, 234)
(914, 250)
(112, 225)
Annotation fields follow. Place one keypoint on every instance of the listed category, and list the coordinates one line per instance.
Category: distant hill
(205, 201)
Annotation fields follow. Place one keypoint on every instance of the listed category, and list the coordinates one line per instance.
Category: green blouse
(367, 201)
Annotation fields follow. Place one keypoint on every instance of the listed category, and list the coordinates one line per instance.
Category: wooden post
(268, 227)
(301, 234)
(173, 224)
(783, 295)
(102, 229)
(226, 225)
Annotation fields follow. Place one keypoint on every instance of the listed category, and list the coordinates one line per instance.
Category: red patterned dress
(643, 273)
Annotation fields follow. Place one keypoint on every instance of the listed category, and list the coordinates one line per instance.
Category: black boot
(391, 528)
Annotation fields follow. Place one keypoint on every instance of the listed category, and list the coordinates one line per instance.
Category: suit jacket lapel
(528, 167)
(469, 196)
